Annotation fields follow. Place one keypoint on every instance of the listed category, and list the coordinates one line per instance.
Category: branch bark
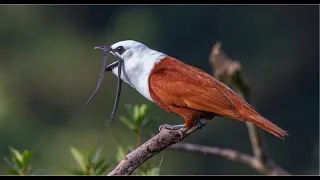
(229, 71)
(153, 146)
(233, 156)
(226, 153)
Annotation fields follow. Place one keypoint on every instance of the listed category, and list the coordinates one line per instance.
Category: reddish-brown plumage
(193, 94)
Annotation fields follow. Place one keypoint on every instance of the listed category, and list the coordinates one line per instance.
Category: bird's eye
(120, 49)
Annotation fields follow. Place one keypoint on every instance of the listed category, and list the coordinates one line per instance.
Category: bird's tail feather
(249, 114)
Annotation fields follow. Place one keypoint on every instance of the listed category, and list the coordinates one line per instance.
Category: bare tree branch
(231, 155)
(153, 146)
(226, 153)
(227, 70)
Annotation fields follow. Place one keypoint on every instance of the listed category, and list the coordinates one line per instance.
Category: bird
(182, 89)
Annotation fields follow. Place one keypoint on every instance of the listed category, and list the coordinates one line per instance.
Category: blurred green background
(48, 70)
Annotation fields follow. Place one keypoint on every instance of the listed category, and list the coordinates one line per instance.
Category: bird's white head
(126, 49)
(138, 62)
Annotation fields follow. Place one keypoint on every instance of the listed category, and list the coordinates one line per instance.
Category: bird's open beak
(110, 50)
(112, 65)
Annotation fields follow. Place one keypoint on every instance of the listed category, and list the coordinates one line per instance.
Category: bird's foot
(182, 128)
(171, 127)
(179, 128)
(201, 123)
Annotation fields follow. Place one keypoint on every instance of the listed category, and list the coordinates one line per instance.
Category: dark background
(48, 69)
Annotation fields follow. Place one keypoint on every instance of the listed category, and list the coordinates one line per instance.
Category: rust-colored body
(193, 94)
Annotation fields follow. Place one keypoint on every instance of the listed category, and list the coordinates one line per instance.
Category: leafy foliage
(19, 164)
(149, 171)
(92, 163)
(139, 118)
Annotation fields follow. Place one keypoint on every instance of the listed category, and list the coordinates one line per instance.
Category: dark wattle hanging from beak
(104, 68)
(116, 102)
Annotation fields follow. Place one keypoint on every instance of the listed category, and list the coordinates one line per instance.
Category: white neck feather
(137, 69)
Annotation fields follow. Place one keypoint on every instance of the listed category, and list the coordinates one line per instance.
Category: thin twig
(226, 153)
(153, 146)
(227, 70)
(232, 155)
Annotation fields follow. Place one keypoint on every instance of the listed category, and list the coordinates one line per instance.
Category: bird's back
(176, 83)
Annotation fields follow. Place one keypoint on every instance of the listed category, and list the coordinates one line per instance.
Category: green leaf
(27, 155)
(19, 162)
(102, 170)
(11, 164)
(92, 164)
(141, 118)
(16, 162)
(151, 172)
(120, 154)
(99, 163)
(135, 113)
(143, 109)
(136, 130)
(79, 158)
(142, 113)
(17, 156)
(96, 155)
(92, 153)
(126, 122)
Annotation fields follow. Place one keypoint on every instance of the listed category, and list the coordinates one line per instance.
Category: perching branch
(226, 153)
(231, 155)
(227, 70)
(153, 146)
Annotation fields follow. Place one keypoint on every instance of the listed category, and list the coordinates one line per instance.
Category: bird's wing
(179, 84)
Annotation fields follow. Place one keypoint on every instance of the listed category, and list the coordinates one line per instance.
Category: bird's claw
(179, 128)
(171, 127)
(201, 123)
